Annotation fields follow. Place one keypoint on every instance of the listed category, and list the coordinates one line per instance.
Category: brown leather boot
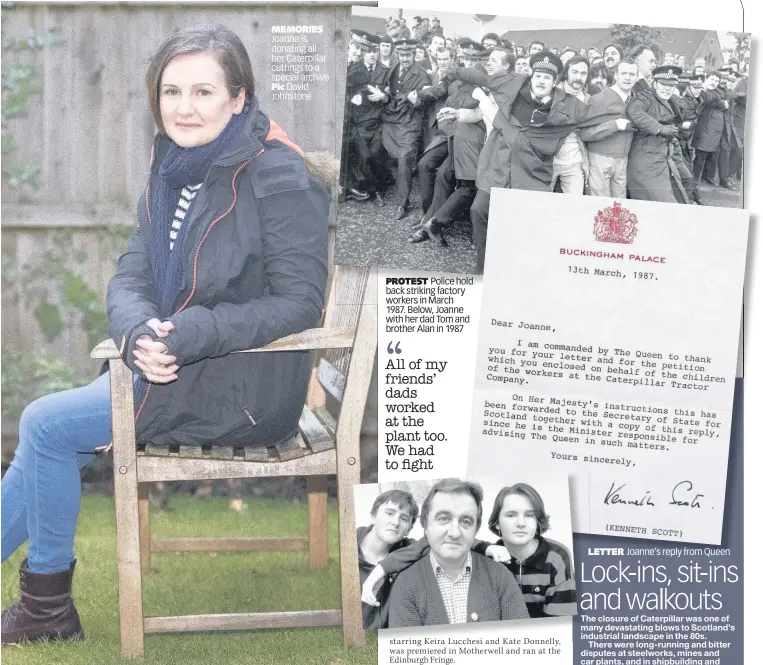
(45, 608)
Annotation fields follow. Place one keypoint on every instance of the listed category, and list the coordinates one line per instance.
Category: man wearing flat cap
(656, 170)
(435, 28)
(402, 119)
(533, 119)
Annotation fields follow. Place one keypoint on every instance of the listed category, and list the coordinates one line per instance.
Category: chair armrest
(315, 338)
(106, 350)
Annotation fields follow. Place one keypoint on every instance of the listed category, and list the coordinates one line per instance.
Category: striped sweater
(187, 195)
(547, 579)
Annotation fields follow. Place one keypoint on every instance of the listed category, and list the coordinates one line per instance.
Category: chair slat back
(343, 309)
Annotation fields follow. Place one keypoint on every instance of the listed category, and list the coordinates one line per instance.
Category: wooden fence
(89, 128)
(90, 131)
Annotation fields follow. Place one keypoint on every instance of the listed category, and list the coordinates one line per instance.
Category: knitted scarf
(180, 167)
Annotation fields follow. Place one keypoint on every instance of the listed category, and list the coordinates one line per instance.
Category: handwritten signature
(683, 494)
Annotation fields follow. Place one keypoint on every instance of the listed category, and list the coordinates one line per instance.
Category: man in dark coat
(729, 139)
(711, 124)
(533, 118)
(740, 111)
(402, 119)
(435, 141)
(656, 171)
(691, 101)
(367, 81)
(455, 185)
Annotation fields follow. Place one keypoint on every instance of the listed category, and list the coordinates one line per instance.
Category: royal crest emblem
(615, 224)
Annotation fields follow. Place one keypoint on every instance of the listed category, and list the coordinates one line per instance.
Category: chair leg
(144, 528)
(352, 616)
(126, 500)
(317, 521)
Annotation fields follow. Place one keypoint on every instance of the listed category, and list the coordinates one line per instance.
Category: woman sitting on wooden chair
(230, 253)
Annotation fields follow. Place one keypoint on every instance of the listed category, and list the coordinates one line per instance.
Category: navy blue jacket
(255, 269)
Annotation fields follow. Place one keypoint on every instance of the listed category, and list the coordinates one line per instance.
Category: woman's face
(193, 99)
(517, 520)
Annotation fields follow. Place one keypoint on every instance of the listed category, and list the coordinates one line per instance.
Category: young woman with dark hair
(230, 253)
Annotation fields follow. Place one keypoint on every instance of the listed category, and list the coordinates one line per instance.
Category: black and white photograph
(465, 550)
(440, 109)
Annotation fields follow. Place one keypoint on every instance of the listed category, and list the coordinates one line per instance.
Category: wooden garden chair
(323, 447)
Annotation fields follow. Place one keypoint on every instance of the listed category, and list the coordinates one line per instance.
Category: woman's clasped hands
(153, 357)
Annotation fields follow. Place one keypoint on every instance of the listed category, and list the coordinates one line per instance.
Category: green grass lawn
(191, 583)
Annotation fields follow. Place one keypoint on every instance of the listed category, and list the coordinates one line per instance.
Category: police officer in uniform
(656, 170)
(355, 147)
(402, 119)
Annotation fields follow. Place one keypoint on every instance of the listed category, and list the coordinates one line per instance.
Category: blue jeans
(58, 434)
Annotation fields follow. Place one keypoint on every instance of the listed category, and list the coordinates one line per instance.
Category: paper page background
(685, 14)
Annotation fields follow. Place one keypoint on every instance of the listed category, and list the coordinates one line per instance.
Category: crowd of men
(471, 115)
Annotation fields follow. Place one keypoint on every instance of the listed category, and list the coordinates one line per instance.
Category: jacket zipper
(196, 253)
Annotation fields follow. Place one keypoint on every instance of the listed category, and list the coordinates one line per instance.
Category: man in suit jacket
(454, 584)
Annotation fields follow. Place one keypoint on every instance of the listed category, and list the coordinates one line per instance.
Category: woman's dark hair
(217, 40)
(531, 494)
